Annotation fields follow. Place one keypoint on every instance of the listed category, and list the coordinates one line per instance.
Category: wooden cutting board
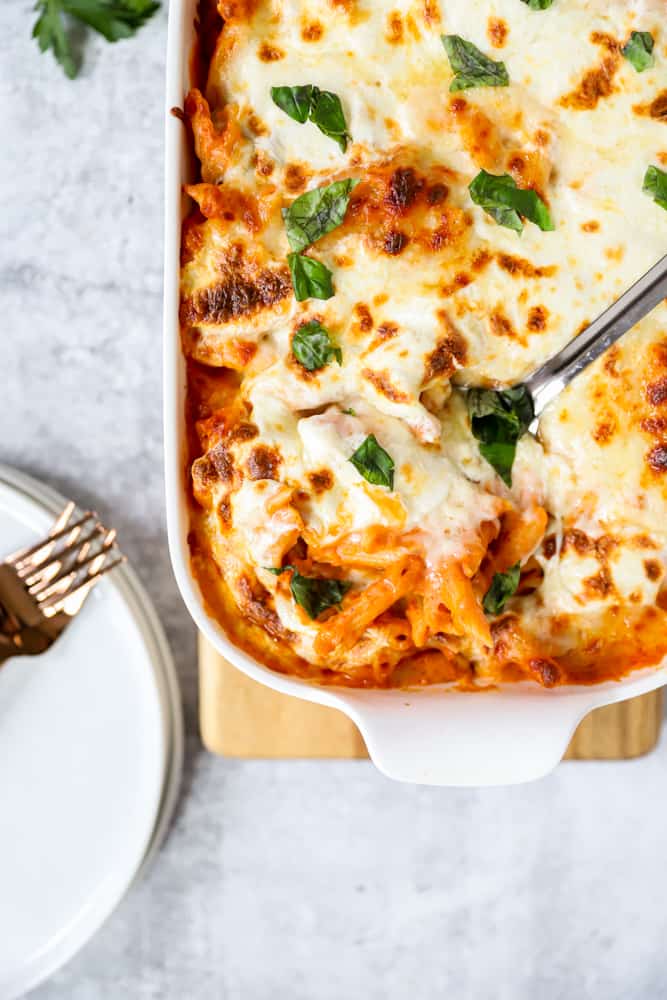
(241, 718)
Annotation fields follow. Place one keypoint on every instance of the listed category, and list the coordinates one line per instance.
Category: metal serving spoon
(499, 417)
(552, 377)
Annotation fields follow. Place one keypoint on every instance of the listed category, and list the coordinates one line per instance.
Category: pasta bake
(401, 207)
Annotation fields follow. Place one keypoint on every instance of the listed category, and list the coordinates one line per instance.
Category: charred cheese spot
(497, 29)
(383, 384)
(657, 459)
(520, 266)
(404, 186)
(549, 546)
(590, 227)
(295, 178)
(537, 319)
(656, 392)
(653, 569)
(364, 317)
(211, 469)
(241, 293)
(657, 108)
(597, 83)
(501, 325)
(394, 242)
(448, 355)
(321, 481)
(460, 280)
(395, 29)
(263, 463)
(270, 53)
(312, 31)
(604, 431)
(546, 672)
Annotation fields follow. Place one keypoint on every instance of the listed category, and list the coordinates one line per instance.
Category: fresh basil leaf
(500, 198)
(313, 348)
(502, 586)
(471, 67)
(498, 419)
(294, 101)
(655, 185)
(316, 213)
(314, 594)
(311, 278)
(327, 113)
(374, 463)
(538, 4)
(350, 412)
(638, 50)
(321, 107)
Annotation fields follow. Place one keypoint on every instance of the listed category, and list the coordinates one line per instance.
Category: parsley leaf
(321, 107)
(502, 586)
(313, 348)
(655, 185)
(538, 4)
(315, 213)
(500, 198)
(498, 419)
(50, 34)
(638, 50)
(314, 594)
(311, 278)
(471, 67)
(114, 19)
(374, 463)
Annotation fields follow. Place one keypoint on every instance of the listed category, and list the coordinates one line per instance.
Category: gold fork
(42, 588)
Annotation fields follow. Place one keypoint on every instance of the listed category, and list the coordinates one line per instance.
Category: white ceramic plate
(90, 757)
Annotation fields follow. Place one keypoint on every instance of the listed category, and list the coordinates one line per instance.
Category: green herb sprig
(471, 67)
(502, 587)
(313, 594)
(321, 107)
(498, 419)
(114, 19)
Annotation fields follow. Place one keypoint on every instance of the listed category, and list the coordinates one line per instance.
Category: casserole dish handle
(458, 738)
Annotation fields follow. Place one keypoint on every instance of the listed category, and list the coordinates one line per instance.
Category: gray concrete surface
(289, 881)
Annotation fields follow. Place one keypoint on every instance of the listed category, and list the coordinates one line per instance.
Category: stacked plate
(91, 747)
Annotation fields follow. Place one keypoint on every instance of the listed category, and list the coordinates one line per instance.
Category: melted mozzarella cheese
(452, 294)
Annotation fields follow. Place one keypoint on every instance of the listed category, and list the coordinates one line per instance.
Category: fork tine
(51, 585)
(56, 603)
(65, 560)
(22, 555)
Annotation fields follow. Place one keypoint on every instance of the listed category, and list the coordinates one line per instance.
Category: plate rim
(136, 598)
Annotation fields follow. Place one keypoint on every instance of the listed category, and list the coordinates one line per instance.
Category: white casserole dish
(436, 736)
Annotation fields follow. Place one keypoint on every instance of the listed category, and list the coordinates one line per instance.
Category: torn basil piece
(374, 463)
(313, 347)
(471, 67)
(638, 50)
(498, 419)
(311, 278)
(313, 594)
(294, 101)
(655, 185)
(316, 213)
(502, 587)
(500, 198)
(322, 107)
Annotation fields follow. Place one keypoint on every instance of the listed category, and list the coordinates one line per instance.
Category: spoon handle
(548, 381)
